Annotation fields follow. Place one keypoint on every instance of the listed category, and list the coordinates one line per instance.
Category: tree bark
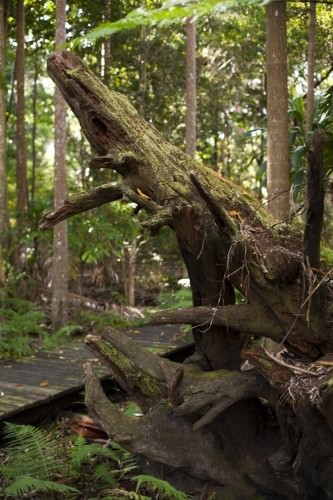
(106, 44)
(34, 131)
(60, 259)
(277, 111)
(129, 264)
(3, 169)
(21, 150)
(264, 428)
(311, 65)
(191, 88)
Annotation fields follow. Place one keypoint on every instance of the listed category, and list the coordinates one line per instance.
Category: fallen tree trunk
(265, 431)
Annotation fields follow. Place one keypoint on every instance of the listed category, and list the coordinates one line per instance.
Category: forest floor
(62, 423)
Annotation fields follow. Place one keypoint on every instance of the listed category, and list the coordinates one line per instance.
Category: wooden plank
(53, 378)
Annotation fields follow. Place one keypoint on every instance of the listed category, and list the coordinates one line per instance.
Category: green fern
(159, 486)
(32, 452)
(26, 484)
(83, 451)
(103, 475)
(33, 462)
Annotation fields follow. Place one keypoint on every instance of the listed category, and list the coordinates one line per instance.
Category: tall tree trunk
(311, 65)
(21, 148)
(34, 131)
(278, 185)
(129, 271)
(3, 170)
(191, 88)
(106, 44)
(60, 236)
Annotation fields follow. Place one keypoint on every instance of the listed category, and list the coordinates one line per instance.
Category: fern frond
(32, 452)
(159, 486)
(25, 484)
(104, 475)
(83, 451)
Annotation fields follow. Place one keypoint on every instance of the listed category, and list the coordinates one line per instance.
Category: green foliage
(172, 11)
(61, 336)
(22, 327)
(98, 321)
(24, 485)
(326, 255)
(94, 239)
(20, 323)
(159, 487)
(33, 461)
(132, 409)
(322, 118)
(175, 299)
(38, 463)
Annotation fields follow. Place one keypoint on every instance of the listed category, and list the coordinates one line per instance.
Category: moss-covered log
(266, 430)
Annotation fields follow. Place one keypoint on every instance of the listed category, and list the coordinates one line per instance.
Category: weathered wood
(49, 377)
(177, 446)
(39, 380)
(261, 420)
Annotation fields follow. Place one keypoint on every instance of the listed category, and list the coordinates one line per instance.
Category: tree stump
(263, 427)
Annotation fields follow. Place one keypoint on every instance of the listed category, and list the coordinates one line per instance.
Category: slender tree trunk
(21, 148)
(3, 170)
(60, 236)
(311, 64)
(129, 272)
(191, 88)
(130, 258)
(34, 132)
(144, 49)
(106, 44)
(277, 111)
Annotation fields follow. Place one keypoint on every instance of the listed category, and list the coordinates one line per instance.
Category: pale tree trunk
(21, 148)
(278, 185)
(311, 65)
(106, 45)
(191, 88)
(129, 272)
(34, 132)
(60, 236)
(3, 172)
(130, 255)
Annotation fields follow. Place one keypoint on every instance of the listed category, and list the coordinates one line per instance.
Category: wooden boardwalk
(31, 388)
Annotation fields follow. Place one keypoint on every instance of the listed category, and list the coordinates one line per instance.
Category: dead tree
(263, 430)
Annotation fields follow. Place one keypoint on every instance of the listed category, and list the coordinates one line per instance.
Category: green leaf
(158, 485)
(170, 12)
(25, 484)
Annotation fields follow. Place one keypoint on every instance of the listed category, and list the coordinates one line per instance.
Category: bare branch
(244, 318)
(82, 202)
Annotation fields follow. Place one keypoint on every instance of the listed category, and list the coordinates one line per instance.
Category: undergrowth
(175, 299)
(36, 463)
(25, 328)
